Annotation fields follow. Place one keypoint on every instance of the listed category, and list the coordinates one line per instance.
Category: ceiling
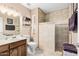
(47, 7)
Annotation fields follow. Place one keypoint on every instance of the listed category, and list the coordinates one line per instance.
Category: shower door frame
(55, 34)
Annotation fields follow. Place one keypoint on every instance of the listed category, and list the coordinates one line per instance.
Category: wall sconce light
(9, 11)
(3, 10)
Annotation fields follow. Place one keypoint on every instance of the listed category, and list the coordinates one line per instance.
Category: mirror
(1, 25)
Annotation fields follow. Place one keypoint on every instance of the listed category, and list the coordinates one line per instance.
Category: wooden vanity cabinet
(14, 49)
(6, 53)
(4, 50)
(14, 52)
(18, 51)
(22, 50)
(18, 48)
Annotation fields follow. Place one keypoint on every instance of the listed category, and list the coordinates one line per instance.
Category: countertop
(3, 42)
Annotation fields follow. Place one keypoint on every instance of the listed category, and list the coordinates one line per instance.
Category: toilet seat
(32, 47)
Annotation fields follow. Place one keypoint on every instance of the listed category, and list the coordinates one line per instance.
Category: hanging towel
(73, 22)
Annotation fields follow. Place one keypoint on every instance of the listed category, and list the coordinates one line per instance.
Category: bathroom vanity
(14, 48)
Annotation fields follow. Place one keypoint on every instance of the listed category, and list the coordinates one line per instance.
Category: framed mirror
(9, 21)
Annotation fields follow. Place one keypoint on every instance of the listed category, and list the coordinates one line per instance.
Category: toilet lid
(31, 43)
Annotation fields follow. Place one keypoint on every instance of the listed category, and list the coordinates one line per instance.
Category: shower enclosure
(61, 36)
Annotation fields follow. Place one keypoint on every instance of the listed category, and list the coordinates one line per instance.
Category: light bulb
(9, 12)
(3, 10)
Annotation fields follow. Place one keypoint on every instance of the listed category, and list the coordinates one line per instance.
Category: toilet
(31, 47)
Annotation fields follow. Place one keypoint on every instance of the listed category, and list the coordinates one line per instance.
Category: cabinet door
(14, 52)
(4, 53)
(4, 50)
(22, 50)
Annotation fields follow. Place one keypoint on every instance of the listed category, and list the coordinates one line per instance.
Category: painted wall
(16, 20)
(41, 16)
(34, 25)
(18, 7)
(58, 16)
(38, 16)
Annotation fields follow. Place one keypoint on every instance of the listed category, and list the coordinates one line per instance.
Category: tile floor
(40, 52)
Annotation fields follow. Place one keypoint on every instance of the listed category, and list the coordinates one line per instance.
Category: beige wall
(18, 7)
(58, 16)
(16, 20)
(41, 15)
(34, 25)
(37, 16)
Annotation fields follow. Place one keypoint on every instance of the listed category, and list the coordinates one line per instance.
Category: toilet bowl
(31, 47)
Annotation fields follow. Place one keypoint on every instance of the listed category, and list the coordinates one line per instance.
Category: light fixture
(9, 11)
(3, 10)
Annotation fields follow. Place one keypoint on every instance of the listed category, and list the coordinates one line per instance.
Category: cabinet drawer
(4, 48)
(18, 43)
(4, 53)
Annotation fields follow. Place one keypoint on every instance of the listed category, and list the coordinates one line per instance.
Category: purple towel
(70, 48)
(73, 22)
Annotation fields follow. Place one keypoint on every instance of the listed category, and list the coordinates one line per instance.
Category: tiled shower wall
(58, 16)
